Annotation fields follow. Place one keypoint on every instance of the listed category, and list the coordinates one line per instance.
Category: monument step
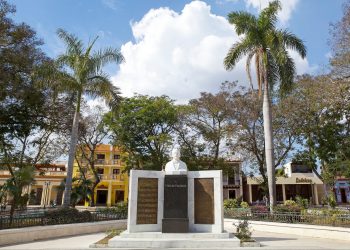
(160, 235)
(187, 243)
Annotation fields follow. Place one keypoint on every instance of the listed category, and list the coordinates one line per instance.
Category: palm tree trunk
(269, 154)
(71, 156)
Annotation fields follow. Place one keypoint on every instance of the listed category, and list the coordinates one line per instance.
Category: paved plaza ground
(268, 241)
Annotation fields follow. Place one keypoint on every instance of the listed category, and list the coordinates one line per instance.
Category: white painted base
(175, 240)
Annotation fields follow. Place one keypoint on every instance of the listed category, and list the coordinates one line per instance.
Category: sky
(175, 48)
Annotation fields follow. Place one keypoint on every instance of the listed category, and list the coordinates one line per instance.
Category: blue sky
(115, 21)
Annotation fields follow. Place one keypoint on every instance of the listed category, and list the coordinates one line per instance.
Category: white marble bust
(176, 166)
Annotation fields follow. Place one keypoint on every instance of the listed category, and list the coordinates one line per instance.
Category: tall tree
(30, 118)
(340, 40)
(143, 127)
(84, 76)
(93, 132)
(269, 46)
(203, 127)
(248, 141)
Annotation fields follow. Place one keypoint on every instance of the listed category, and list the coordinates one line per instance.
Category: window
(116, 171)
(100, 156)
(231, 194)
(301, 169)
(116, 157)
(231, 180)
(100, 170)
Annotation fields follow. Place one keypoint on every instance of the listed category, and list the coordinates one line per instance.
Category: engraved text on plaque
(147, 201)
(203, 201)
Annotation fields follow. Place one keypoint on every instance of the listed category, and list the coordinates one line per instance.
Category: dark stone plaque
(175, 214)
(147, 201)
(203, 201)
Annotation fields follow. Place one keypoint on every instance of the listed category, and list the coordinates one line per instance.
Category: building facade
(298, 180)
(46, 189)
(342, 190)
(232, 181)
(113, 185)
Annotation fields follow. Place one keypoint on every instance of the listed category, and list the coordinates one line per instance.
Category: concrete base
(174, 240)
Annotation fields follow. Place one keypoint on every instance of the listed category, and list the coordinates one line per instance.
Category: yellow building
(113, 187)
(46, 188)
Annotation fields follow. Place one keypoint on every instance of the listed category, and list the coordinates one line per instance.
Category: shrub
(290, 203)
(332, 202)
(231, 203)
(66, 216)
(287, 209)
(120, 209)
(259, 209)
(244, 204)
(243, 231)
(301, 202)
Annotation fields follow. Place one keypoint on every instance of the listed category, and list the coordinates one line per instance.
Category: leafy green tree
(323, 106)
(269, 46)
(203, 129)
(15, 185)
(84, 76)
(143, 127)
(31, 119)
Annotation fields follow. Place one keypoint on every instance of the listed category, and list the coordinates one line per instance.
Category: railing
(40, 219)
(39, 173)
(335, 220)
(112, 177)
(103, 162)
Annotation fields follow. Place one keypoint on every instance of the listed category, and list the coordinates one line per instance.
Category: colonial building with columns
(298, 180)
(46, 188)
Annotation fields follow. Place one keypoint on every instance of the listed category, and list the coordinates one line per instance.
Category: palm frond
(236, 52)
(249, 59)
(74, 45)
(99, 86)
(243, 21)
(268, 16)
(105, 56)
(258, 72)
(291, 41)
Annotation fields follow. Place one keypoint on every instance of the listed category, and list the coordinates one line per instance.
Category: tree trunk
(71, 157)
(93, 193)
(12, 210)
(269, 148)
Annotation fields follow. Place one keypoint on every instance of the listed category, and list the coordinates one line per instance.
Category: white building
(298, 180)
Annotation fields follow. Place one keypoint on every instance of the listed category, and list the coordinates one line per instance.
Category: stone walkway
(268, 241)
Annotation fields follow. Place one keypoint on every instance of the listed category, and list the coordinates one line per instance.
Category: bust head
(175, 153)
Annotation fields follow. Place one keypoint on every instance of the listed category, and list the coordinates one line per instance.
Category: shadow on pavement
(262, 239)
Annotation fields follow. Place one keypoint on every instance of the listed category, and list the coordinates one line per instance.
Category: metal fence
(42, 219)
(335, 220)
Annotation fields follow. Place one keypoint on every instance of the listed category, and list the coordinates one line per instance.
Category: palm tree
(268, 46)
(83, 76)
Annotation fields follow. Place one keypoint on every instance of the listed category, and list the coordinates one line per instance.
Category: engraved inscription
(204, 201)
(147, 201)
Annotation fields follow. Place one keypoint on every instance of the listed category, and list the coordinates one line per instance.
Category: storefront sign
(303, 180)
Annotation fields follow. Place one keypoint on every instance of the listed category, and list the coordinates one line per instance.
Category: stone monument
(175, 208)
(175, 215)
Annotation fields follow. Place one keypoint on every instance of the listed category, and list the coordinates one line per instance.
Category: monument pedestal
(175, 240)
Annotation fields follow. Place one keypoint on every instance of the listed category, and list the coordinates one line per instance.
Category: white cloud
(288, 6)
(180, 54)
(96, 104)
